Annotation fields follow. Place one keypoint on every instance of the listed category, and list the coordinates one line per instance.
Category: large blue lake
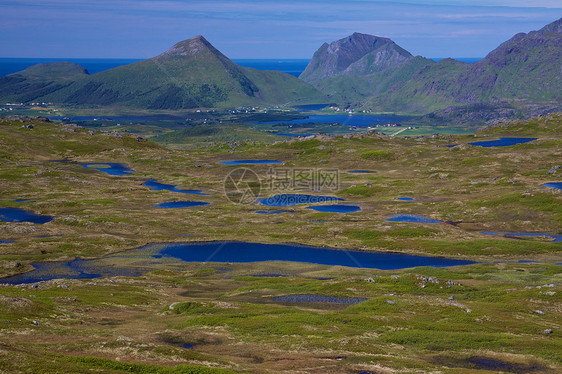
(356, 120)
(229, 252)
(256, 252)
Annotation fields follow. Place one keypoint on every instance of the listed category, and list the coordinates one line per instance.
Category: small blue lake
(22, 215)
(157, 186)
(5, 241)
(295, 199)
(23, 201)
(240, 252)
(180, 204)
(405, 199)
(274, 211)
(557, 185)
(77, 269)
(415, 218)
(557, 238)
(250, 162)
(316, 299)
(361, 171)
(356, 120)
(110, 168)
(336, 208)
(502, 142)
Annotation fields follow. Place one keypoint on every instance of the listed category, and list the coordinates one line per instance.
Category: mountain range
(522, 77)
(375, 73)
(190, 74)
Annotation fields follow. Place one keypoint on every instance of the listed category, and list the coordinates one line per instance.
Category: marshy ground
(498, 315)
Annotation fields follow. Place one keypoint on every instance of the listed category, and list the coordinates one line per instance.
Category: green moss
(124, 367)
(377, 155)
(362, 191)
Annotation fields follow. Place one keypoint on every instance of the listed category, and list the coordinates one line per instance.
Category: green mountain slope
(191, 74)
(525, 70)
(39, 81)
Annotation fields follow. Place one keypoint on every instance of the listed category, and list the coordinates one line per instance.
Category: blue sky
(261, 29)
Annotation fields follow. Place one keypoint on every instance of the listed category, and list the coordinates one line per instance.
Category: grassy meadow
(500, 314)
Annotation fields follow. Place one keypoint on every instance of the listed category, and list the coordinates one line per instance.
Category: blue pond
(110, 168)
(336, 208)
(77, 269)
(250, 162)
(554, 185)
(451, 145)
(360, 171)
(357, 120)
(188, 346)
(180, 204)
(295, 199)
(21, 215)
(227, 252)
(557, 238)
(237, 252)
(308, 107)
(502, 142)
(6, 241)
(316, 299)
(405, 199)
(274, 211)
(157, 186)
(23, 201)
(411, 218)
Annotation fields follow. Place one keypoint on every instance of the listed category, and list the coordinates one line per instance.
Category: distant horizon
(11, 65)
(233, 59)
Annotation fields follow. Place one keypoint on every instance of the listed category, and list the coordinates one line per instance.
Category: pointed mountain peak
(190, 47)
(354, 54)
(361, 43)
(368, 37)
